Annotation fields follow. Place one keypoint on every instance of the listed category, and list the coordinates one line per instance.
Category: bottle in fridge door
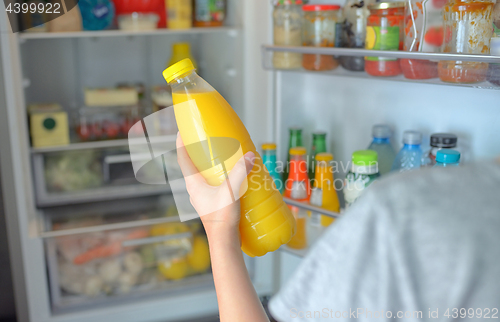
(318, 146)
(441, 141)
(323, 193)
(410, 156)
(298, 187)
(364, 171)
(269, 160)
(215, 139)
(382, 145)
(447, 158)
(294, 141)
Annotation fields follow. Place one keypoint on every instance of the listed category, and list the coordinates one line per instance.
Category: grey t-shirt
(417, 246)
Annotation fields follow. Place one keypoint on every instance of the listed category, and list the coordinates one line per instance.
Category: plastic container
(105, 123)
(287, 31)
(354, 32)
(209, 13)
(319, 31)
(441, 141)
(467, 30)
(201, 113)
(364, 171)
(180, 14)
(447, 158)
(318, 146)
(269, 160)
(323, 193)
(410, 156)
(137, 22)
(180, 51)
(96, 14)
(384, 31)
(298, 187)
(382, 145)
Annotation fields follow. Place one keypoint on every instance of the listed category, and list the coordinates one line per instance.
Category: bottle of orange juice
(212, 133)
(323, 192)
(298, 187)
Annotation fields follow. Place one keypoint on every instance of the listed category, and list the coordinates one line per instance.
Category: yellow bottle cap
(269, 146)
(324, 157)
(178, 69)
(299, 150)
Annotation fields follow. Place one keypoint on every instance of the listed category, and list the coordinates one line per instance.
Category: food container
(209, 13)
(138, 22)
(105, 123)
(287, 31)
(111, 266)
(354, 32)
(319, 31)
(384, 31)
(180, 14)
(468, 27)
(423, 33)
(48, 125)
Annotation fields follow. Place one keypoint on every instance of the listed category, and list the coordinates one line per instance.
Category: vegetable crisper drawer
(75, 176)
(106, 267)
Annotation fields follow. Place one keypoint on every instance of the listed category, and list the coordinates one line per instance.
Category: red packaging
(143, 6)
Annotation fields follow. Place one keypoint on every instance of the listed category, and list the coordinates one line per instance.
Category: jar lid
(269, 146)
(298, 150)
(320, 7)
(447, 156)
(386, 5)
(287, 2)
(443, 140)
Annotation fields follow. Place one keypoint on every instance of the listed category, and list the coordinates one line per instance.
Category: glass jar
(441, 141)
(384, 31)
(319, 31)
(467, 30)
(354, 32)
(209, 13)
(287, 31)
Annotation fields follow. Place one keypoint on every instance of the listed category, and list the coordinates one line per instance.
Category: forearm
(236, 296)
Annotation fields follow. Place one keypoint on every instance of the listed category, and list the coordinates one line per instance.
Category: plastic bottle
(323, 193)
(295, 141)
(180, 51)
(382, 145)
(298, 187)
(364, 171)
(447, 158)
(209, 127)
(269, 160)
(318, 146)
(410, 156)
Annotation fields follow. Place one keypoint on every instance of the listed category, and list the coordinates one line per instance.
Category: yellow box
(48, 125)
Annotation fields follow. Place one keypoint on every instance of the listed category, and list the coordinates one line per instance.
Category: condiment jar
(441, 141)
(319, 31)
(384, 31)
(287, 31)
(354, 32)
(468, 27)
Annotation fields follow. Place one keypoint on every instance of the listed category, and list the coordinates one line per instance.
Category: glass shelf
(122, 33)
(268, 50)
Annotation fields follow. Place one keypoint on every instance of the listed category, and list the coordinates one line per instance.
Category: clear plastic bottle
(213, 133)
(410, 156)
(447, 158)
(382, 145)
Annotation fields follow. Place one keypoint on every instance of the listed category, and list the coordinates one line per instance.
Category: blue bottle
(269, 160)
(382, 145)
(410, 156)
(447, 158)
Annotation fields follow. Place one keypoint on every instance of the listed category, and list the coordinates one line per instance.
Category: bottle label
(316, 200)
(381, 38)
(355, 184)
(210, 10)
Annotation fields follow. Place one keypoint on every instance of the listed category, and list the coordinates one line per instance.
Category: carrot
(108, 250)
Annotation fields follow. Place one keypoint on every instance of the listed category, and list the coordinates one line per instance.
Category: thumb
(239, 173)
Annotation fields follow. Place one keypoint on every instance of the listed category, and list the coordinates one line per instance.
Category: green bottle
(318, 146)
(295, 141)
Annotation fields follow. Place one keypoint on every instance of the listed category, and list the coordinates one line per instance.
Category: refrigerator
(44, 214)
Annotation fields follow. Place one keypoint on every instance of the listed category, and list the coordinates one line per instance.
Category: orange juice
(323, 182)
(213, 134)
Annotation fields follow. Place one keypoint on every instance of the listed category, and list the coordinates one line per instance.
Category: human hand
(223, 223)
